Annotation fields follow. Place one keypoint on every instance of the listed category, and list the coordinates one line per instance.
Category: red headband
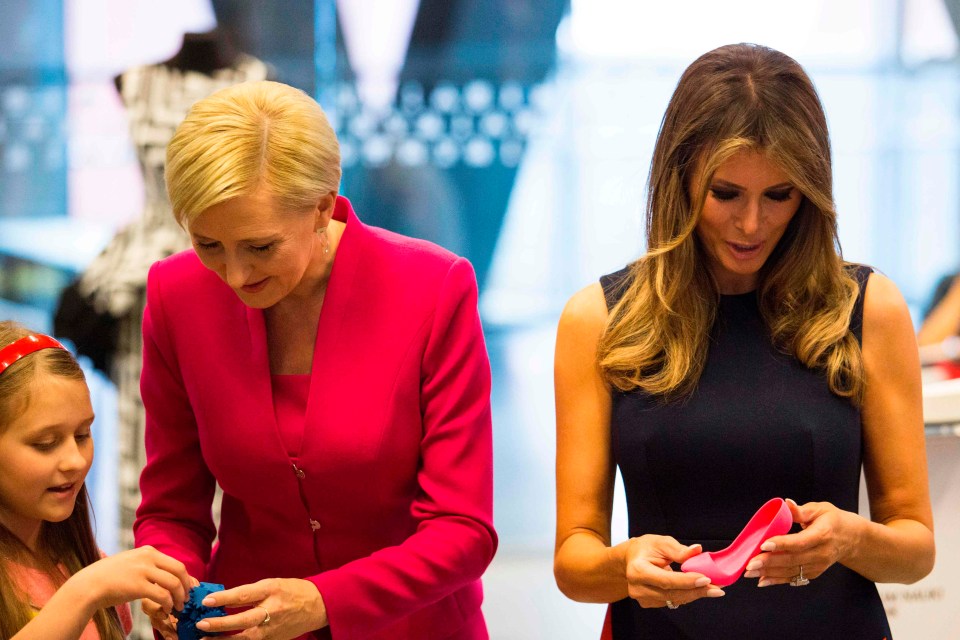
(24, 347)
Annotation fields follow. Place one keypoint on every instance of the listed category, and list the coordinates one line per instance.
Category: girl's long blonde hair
(70, 542)
(735, 98)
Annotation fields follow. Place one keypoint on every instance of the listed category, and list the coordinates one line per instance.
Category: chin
(256, 300)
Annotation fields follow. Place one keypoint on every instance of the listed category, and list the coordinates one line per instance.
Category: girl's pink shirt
(39, 588)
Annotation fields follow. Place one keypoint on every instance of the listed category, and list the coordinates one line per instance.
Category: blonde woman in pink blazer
(330, 376)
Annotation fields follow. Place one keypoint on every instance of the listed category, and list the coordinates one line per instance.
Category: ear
(324, 211)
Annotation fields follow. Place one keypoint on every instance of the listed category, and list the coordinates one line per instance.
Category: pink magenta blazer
(388, 507)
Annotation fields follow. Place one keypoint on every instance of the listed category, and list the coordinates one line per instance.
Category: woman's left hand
(280, 609)
(828, 536)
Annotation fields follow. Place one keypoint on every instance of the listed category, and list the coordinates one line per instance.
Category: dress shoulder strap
(615, 285)
(861, 273)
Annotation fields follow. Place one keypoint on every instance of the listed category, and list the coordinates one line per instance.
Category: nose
(235, 272)
(748, 222)
(76, 455)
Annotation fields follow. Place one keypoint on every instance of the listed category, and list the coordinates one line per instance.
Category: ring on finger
(266, 618)
(798, 580)
(670, 605)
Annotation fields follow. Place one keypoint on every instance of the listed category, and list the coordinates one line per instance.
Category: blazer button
(299, 472)
(314, 524)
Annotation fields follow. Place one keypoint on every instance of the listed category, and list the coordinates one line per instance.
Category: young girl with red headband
(53, 581)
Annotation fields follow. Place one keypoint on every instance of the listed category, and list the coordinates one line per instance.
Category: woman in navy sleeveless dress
(739, 360)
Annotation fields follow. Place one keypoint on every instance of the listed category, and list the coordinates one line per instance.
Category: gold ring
(670, 605)
(266, 619)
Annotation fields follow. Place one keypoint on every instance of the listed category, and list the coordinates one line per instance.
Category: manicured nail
(702, 581)
(752, 574)
(764, 583)
(768, 546)
(792, 502)
(209, 601)
(203, 625)
(753, 565)
(715, 593)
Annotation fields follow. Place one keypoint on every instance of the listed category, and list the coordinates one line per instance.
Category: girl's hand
(828, 536)
(118, 579)
(653, 583)
(134, 574)
(162, 621)
(294, 607)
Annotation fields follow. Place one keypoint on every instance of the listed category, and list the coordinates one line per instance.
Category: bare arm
(898, 545)
(586, 567)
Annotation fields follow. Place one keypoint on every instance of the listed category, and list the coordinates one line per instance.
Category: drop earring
(322, 234)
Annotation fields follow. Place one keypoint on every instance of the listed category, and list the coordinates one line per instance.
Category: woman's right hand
(652, 582)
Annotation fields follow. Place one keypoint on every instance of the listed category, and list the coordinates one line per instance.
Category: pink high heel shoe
(725, 566)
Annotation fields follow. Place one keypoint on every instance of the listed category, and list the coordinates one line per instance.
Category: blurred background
(517, 133)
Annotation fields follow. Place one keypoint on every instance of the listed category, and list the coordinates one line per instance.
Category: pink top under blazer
(388, 506)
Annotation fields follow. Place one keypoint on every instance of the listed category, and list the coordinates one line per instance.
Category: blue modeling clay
(193, 612)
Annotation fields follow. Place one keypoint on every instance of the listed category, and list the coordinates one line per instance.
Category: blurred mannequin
(156, 97)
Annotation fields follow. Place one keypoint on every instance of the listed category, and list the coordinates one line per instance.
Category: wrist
(317, 608)
(83, 597)
(855, 529)
(617, 555)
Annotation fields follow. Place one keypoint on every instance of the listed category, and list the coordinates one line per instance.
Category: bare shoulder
(889, 343)
(885, 311)
(585, 312)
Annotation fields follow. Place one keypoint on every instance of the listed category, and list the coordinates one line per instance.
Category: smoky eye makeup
(780, 195)
(723, 194)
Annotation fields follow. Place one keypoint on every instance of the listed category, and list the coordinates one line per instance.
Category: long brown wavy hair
(735, 98)
(70, 542)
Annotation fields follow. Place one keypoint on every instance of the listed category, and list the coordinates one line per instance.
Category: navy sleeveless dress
(759, 425)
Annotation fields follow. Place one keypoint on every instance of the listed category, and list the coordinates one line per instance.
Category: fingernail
(753, 565)
(209, 601)
(203, 625)
(752, 574)
(695, 546)
(764, 583)
(790, 500)
(768, 546)
(702, 581)
(715, 593)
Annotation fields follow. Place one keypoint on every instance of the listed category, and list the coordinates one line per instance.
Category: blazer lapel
(330, 330)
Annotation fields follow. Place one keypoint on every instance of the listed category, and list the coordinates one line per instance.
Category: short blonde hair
(250, 135)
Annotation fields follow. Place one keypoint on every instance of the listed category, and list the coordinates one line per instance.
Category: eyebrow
(733, 185)
(53, 428)
(263, 240)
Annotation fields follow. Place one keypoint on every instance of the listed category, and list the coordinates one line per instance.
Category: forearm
(587, 570)
(896, 551)
(64, 616)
